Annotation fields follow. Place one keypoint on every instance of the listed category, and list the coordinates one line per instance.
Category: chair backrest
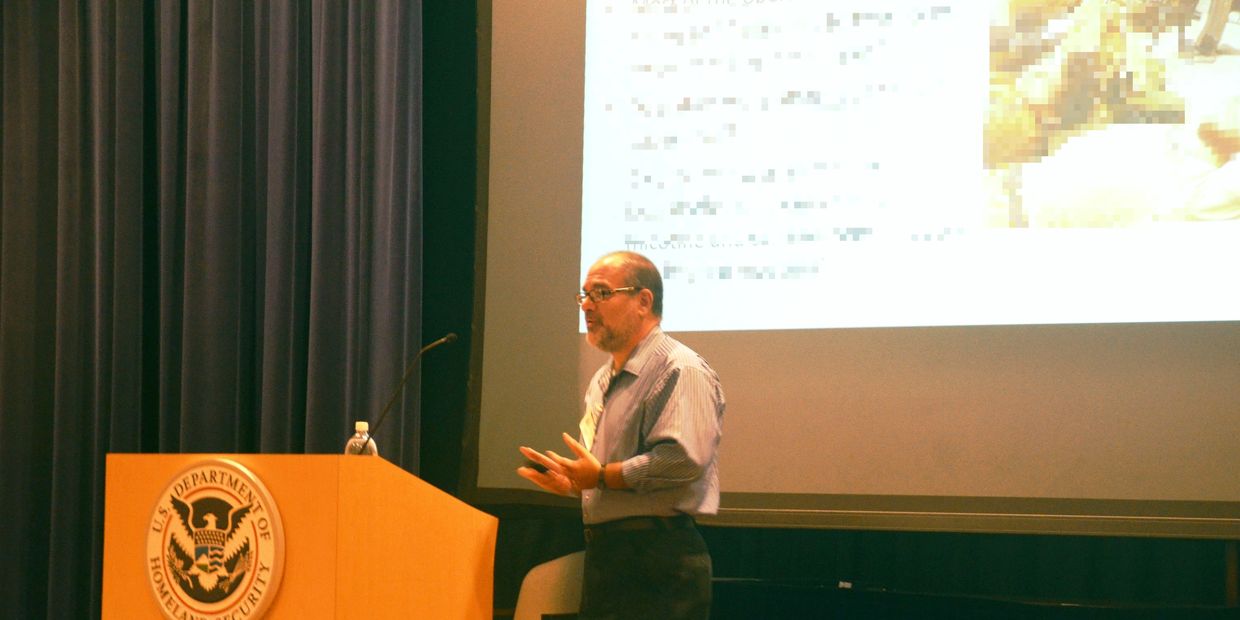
(553, 587)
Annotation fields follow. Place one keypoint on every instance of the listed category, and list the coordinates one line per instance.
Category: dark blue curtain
(210, 241)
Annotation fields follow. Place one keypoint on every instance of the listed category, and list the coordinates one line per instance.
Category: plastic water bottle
(360, 442)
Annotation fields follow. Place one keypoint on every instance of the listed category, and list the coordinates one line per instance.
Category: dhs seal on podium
(215, 544)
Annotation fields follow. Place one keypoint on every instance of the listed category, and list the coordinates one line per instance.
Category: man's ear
(647, 299)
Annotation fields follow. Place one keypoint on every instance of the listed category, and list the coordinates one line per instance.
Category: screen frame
(930, 513)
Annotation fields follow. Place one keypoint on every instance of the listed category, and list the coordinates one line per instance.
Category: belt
(639, 524)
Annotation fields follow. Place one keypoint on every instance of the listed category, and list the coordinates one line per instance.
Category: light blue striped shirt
(662, 416)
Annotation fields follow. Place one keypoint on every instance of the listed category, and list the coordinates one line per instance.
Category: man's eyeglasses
(599, 295)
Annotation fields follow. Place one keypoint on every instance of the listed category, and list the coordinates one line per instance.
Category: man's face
(611, 324)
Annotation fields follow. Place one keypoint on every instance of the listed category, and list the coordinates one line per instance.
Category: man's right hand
(553, 479)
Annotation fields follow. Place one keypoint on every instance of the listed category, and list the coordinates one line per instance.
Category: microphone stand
(449, 338)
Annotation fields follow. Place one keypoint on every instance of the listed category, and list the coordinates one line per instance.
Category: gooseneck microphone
(451, 337)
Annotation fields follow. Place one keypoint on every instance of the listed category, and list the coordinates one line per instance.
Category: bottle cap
(361, 426)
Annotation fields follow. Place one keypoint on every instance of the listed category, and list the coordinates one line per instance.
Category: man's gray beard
(610, 340)
(604, 340)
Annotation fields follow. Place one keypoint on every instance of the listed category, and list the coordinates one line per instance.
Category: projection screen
(966, 266)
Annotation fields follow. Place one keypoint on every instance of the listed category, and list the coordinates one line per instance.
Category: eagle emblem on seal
(208, 552)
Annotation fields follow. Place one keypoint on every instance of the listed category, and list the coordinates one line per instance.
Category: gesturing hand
(564, 476)
(583, 470)
(551, 479)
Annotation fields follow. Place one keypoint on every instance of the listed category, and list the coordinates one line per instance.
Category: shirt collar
(642, 352)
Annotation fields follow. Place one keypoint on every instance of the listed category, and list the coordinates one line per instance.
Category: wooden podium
(362, 538)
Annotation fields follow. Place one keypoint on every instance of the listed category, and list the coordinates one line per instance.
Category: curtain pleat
(213, 243)
(170, 120)
(327, 378)
(28, 236)
(286, 299)
(193, 253)
(397, 278)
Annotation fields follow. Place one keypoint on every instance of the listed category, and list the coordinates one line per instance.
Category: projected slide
(797, 164)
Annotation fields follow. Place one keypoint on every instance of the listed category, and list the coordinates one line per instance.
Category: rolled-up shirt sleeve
(682, 427)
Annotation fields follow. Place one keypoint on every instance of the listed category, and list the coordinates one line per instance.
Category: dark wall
(766, 572)
(449, 172)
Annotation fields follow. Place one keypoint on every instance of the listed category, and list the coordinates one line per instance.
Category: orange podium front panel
(192, 536)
